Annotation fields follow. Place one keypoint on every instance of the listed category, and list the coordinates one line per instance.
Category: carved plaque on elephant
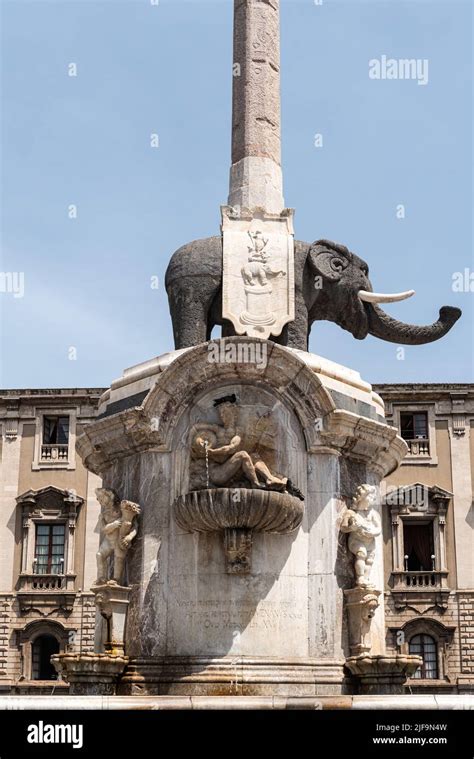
(258, 272)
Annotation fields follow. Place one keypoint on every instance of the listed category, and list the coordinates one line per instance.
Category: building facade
(49, 535)
(428, 521)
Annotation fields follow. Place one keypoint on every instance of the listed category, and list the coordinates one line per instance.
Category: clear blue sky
(166, 69)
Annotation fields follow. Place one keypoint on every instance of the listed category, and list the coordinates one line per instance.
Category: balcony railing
(420, 580)
(45, 583)
(54, 452)
(418, 447)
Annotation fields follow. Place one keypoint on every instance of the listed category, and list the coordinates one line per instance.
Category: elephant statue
(331, 284)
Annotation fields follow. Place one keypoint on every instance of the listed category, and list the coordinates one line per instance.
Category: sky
(93, 299)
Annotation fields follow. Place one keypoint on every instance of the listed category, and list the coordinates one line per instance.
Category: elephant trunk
(383, 326)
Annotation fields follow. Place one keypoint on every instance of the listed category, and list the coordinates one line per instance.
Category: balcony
(50, 453)
(420, 589)
(46, 591)
(46, 582)
(420, 579)
(418, 447)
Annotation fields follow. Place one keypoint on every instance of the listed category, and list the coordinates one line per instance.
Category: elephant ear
(329, 259)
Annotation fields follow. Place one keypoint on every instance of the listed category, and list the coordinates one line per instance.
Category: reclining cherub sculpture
(226, 457)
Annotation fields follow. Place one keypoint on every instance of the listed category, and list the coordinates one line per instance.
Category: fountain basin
(216, 509)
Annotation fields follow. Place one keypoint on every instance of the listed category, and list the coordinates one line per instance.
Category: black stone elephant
(331, 284)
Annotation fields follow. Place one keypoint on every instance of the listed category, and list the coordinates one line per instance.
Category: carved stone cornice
(46, 603)
(366, 440)
(50, 502)
(418, 498)
(151, 426)
(115, 437)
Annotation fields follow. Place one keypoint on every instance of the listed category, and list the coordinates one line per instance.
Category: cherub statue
(363, 525)
(118, 529)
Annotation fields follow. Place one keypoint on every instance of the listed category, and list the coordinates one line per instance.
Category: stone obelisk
(255, 175)
(258, 244)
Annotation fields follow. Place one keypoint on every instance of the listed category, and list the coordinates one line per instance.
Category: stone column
(91, 531)
(255, 176)
(9, 473)
(462, 501)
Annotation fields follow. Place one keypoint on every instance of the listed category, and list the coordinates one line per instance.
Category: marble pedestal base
(281, 626)
(232, 676)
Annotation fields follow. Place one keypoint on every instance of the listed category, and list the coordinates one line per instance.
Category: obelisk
(255, 175)
(257, 230)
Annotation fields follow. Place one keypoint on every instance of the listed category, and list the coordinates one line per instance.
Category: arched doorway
(44, 646)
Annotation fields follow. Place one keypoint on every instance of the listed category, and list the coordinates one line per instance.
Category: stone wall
(77, 627)
(466, 632)
(453, 630)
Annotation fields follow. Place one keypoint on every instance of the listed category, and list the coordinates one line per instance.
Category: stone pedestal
(99, 673)
(382, 675)
(361, 605)
(90, 674)
(275, 625)
(112, 603)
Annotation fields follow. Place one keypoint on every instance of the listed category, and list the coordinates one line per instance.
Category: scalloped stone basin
(219, 509)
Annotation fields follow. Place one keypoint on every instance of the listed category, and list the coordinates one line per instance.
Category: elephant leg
(296, 333)
(215, 318)
(189, 314)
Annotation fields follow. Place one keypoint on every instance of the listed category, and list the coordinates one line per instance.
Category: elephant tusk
(384, 297)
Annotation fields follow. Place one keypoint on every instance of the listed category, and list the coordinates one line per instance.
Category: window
(42, 650)
(425, 646)
(414, 431)
(55, 430)
(418, 542)
(417, 425)
(49, 549)
(55, 445)
(418, 546)
(55, 438)
(414, 426)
